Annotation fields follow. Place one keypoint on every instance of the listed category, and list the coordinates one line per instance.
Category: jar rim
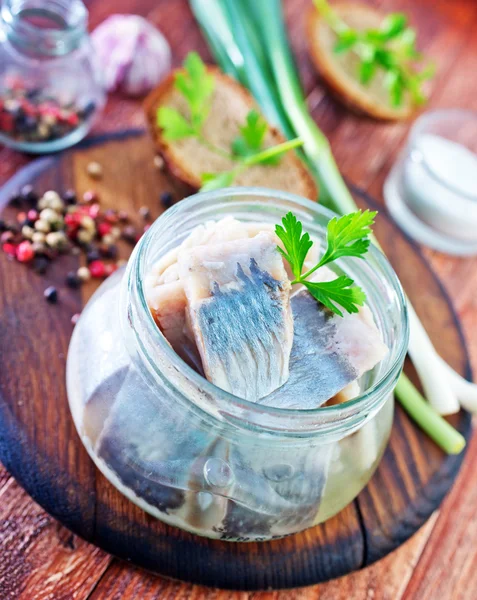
(71, 15)
(324, 418)
(419, 128)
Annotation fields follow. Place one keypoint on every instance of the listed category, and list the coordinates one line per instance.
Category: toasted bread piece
(340, 71)
(187, 159)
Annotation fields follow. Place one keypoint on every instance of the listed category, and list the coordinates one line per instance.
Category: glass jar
(431, 191)
(50, 89)
(196, 456)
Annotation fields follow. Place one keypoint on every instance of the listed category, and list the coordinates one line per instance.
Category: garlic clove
(133, 54)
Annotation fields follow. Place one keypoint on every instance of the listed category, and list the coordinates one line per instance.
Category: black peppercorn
(40, 264)
(15, 200)
(109, 251)
(70, 197)
(51, 294)
(166, 199)
(28, 194)
(28, 222)
(33, 93)
(87, 111)
(72, 280)
(129, 234)
(93, 255)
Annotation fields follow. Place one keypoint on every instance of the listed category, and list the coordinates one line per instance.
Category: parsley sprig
(391, 48)
(196, 85)
(346, 236)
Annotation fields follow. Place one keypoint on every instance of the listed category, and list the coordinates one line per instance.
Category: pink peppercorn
(104, 229)
(21, 216)
(75, 318)
(93, 211)
(6, 122)
(111, 216)
(32, 214)
(7, 236)
(25, 252)
(109, 269)
(9, 249)
(28, 108)
(90, 196)
(72, 220)
(72, 119)
(97, 268)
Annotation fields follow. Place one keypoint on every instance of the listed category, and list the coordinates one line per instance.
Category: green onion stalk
(231, 26)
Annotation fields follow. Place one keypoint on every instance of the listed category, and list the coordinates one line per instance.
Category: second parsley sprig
(346, 236)
(390, 48)
(196, 85)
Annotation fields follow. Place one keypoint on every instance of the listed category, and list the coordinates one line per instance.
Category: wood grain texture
(46, 561)
(408, 486)
(445, 568)
(448, 35)
(100, 513)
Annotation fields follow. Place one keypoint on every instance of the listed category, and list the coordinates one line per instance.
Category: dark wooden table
(41, 560)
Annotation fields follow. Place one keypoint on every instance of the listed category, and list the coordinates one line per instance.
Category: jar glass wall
(198, 457)
(50, 87)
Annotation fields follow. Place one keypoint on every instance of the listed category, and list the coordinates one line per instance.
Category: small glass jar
(196, 456)
(431, 191)
(50, 89)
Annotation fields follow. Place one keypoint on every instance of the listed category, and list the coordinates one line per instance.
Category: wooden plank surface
(439, 562)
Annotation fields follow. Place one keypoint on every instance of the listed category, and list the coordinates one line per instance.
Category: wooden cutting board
(40, 447)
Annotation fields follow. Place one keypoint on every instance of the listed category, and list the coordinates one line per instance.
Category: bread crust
(355, 99)
(181, 171)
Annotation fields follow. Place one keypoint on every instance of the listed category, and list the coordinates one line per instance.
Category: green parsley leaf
(254, 130)
(215, 181)
(385, 58)
(250, 140)
(197, 86)
(367, 70)
(394, 82)
(295, 241)
(173, 124)
(348, 236)
(407, 43)
(391, 48)
(393, 25)
(346, 40)
(337, 292)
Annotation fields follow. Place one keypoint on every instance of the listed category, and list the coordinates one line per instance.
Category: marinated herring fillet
(165, 291)
(167, 303)
(329, 352)
(238, 308)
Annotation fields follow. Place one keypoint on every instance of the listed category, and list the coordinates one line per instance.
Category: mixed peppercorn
(31, 115)
(50, 225)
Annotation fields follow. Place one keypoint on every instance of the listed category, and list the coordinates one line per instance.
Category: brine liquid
(187, 473)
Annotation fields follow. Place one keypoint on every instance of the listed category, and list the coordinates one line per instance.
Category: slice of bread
(187, 159)
(340, 71)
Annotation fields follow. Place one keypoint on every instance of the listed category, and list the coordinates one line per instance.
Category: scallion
(440, 388)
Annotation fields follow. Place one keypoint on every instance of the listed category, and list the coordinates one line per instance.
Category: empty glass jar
(50, 89)
(196, 456)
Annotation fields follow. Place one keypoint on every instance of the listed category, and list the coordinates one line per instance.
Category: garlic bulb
(134, 56)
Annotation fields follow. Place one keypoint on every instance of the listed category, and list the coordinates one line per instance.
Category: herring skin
(329, 353)
(238, 296)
